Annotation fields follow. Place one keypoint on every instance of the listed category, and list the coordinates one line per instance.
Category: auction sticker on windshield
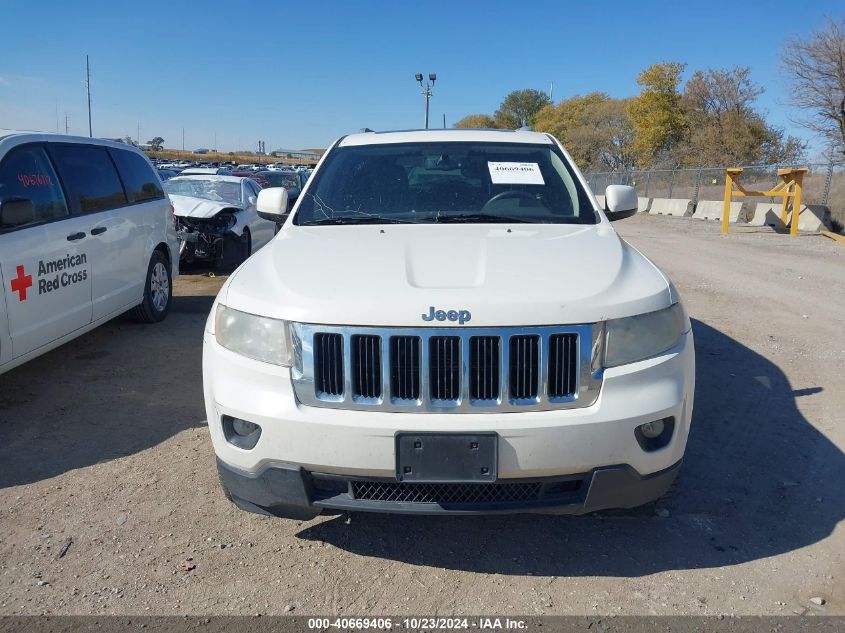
(515, 173)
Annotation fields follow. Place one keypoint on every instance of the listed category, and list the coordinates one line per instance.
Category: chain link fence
(823, 184)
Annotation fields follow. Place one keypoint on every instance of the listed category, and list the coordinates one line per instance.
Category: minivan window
(89, 176)
(30, 189)
(446, 182)
(138, 177)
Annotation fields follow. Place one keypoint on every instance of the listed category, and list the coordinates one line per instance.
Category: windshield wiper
(363, 219)
(478, 217)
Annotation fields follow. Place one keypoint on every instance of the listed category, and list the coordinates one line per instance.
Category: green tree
(594, 128)
(656, 114)
(476, 121)
(519, 108)
(156, 143)
(723, 125)
(816, 66)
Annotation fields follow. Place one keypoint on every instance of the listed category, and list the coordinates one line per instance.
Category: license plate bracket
(447, 457)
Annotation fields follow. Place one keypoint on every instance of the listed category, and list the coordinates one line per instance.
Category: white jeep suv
(447, 323)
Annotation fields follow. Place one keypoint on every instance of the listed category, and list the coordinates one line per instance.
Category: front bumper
(595, 445)
(294, 493)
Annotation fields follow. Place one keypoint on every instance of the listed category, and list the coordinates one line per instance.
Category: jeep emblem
(461, 316)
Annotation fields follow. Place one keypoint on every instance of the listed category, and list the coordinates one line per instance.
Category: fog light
(649, 429)
(240, 433)
(655, 434)
(242, 427)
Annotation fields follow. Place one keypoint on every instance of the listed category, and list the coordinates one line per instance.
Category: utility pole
(66, 126)
(444, 120)
(552, 92)
(88, 86)
(432, 77)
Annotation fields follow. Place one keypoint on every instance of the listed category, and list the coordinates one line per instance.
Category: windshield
(445, 182)
(216, 190)
(286, 179)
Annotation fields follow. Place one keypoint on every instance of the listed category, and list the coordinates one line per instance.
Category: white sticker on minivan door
(515, 173)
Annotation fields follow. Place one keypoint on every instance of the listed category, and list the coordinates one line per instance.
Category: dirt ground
(103, 446)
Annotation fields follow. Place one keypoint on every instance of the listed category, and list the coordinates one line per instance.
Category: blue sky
(299, 74)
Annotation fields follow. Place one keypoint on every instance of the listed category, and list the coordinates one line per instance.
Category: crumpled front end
(203, 238)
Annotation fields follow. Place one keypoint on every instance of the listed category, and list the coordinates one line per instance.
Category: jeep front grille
(484, 368)
(405, 367)
(328, 364)
(525, 367)
(461, 370)
(444, 365)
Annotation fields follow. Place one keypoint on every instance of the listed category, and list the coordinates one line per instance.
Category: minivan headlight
(253, 336)
(643, 336)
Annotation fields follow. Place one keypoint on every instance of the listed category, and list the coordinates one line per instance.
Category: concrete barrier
(643, 205)
(712, 210)
(812, 218)
(678, 207)
(766, 214)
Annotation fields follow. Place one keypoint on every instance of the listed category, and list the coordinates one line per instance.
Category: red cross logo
(21, 283)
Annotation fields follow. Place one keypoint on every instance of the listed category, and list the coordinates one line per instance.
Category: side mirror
(620, 202)
(273, 204)
(17, 212)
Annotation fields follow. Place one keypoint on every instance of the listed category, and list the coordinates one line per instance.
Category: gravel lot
(103, 446)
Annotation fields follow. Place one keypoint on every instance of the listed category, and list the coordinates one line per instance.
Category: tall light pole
(88, 88)
(427, 86)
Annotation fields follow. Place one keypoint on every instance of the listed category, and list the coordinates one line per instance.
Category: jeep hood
(189, 207)
(391, 275)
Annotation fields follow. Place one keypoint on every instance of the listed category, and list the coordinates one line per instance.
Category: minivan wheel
(158, 291)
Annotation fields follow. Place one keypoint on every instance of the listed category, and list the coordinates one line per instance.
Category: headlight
(252, 336)
(643, 336)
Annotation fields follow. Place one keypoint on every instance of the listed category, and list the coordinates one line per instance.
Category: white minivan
(447, 323)
(86, 233)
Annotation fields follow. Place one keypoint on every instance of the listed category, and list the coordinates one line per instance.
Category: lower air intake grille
(445, 493)
(328, 364)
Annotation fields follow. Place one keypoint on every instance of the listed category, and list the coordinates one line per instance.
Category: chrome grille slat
(329, 353)
(562, 370)
(449, 369)
(366, 366)
(445, 368)
(524, 367)
(404, 362)
(484, 370)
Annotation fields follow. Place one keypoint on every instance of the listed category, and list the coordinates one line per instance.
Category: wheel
(158, 291)
(246, 244)
(234, 250)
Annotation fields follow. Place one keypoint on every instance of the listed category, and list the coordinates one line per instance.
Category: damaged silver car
(216, 218)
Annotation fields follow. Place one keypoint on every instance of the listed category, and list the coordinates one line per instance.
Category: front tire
(158, 291)
(234, 250)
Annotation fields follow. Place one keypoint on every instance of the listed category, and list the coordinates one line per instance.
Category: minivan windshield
(445, 182)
